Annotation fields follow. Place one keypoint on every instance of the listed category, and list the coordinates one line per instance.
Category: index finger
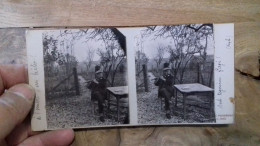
(11, 75)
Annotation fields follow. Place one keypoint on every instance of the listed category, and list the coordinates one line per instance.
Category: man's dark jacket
(97, 86)
(164, 82)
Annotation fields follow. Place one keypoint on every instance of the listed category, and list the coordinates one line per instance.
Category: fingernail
(23, 90)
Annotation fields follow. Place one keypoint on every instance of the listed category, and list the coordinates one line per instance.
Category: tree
(140, 56)
(110, 59)
(188, 40)
(159, 56)
(140, 59)
(89, 58)
(50, 54)
(112, 55)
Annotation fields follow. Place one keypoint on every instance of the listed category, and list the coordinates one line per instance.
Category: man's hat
(166, 66)
(98, 69)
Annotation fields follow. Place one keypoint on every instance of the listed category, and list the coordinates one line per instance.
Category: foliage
(50, 51)
(55, 60)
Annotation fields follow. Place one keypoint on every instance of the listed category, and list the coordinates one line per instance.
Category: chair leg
(172, 107)
(161, 103)
(93, 108)
(94, 111)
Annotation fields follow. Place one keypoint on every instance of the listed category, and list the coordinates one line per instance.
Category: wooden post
(145, 78)
(198, 75)
(76, 81)
(211, 74)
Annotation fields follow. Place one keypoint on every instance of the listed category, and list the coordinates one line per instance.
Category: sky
(81, 49)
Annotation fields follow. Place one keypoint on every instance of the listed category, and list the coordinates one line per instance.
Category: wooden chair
(162, 100)
(94, 105)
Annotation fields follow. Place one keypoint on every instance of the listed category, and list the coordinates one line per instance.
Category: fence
(199, 73)
(144, 83)
(57, 90)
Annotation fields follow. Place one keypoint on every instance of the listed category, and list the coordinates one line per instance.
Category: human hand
(16, 100)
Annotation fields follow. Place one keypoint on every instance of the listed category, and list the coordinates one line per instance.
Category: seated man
(165, 91)
(98, 91)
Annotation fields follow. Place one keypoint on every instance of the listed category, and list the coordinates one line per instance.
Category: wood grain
(40, 13)
(247, 63)
(245, 14)
(247, 44)
(109, 137)
(12, 46)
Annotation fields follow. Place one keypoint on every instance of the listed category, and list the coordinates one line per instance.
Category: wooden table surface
(81, 13)
(119, 90)
(194, 87)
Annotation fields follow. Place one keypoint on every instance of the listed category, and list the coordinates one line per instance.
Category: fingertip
(62, 137)
(67, 134)
(57, 137)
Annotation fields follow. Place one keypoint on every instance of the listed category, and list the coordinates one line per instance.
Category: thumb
(15, 104)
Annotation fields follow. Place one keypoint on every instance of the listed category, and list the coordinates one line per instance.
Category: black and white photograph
(134, 76)
(85, 73)
(175, 74)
